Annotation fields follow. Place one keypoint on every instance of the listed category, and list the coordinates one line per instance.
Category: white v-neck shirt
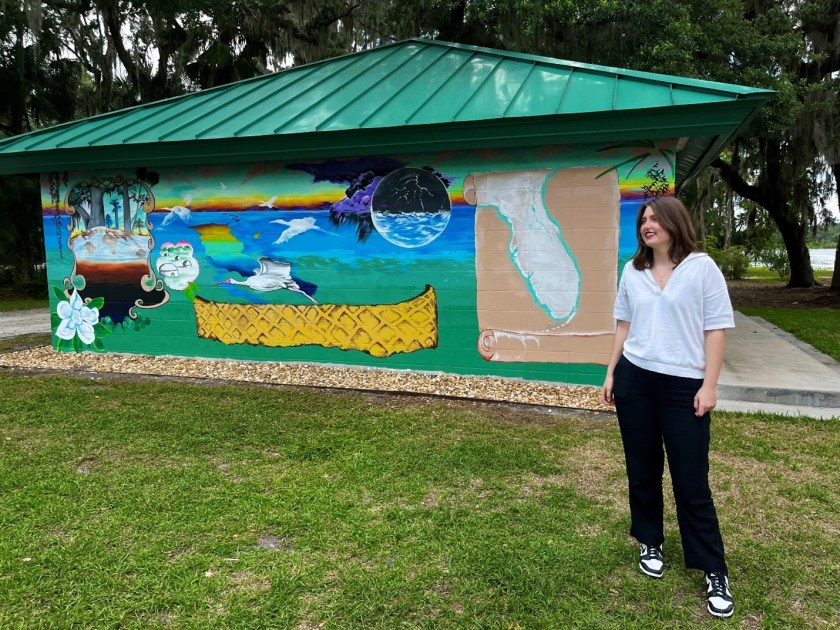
(667, 325)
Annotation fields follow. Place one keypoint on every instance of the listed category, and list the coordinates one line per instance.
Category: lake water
(822, 258)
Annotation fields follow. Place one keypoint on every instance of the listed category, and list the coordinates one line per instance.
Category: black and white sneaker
(651, 561)
(718, 595)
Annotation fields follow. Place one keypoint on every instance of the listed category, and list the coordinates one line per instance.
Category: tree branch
(737, 183)
(110, 18)
(822, 29)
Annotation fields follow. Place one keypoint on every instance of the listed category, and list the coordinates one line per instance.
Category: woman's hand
(622, 329)
(607, 391)
(705, 400)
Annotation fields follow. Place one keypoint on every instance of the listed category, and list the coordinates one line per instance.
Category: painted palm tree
(649, 150)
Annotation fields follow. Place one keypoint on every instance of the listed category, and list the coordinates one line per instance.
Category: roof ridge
(579, 65)
(728, 89)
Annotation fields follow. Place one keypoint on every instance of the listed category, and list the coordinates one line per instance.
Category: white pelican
(296, 226)
(269, 203)
(271, 276)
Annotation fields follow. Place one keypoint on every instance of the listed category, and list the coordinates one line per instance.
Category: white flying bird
(271, 275)
(269, 203)
(297, 226)
(182, 212)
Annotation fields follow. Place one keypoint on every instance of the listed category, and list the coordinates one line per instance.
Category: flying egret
(271, 275)
(296, 226)
(182, 212)
(269, 203)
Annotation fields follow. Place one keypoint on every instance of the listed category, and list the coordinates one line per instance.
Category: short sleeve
(717, 308)
(622, 310)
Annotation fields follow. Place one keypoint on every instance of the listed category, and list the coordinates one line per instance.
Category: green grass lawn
(20, 304)
(763, 273)
(819, 327)
(139, 504)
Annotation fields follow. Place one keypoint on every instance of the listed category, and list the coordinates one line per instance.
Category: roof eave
(720, 120)
(712, 151)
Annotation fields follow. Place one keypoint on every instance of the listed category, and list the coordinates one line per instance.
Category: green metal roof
(412, 95)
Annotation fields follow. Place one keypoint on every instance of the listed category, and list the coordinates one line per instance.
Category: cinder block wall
(501, 262)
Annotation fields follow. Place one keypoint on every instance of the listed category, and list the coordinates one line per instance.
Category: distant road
(14, 323)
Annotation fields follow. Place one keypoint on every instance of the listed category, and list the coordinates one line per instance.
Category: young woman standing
(672, 309)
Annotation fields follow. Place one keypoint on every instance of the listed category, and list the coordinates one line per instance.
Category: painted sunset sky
(281, 185)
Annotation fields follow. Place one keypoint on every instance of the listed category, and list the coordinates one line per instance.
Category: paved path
(14, 323)
(766, 369)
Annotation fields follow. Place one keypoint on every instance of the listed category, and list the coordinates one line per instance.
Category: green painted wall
(500, 262)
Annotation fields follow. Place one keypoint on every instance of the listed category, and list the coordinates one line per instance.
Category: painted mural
(482, 262)
(546, 279)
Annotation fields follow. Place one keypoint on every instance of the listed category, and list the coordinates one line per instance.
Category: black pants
(653, 408)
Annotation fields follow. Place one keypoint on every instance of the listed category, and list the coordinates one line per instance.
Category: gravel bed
(372, 379)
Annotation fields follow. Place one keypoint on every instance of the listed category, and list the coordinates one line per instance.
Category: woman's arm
(715, 345)
(621, 330)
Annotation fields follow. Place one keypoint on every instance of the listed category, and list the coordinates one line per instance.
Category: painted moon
(410, 207)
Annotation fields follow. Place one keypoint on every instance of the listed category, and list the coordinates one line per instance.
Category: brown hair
(673, 217)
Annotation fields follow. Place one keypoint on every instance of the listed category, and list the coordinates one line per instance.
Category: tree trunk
(17, 90)
(705, 197)
(730, 217)
(835, 277)
(793, 235)
(97, 208)
(83, 214)
(454, 25)
(730, 198)
(126, 203)
(769, 193)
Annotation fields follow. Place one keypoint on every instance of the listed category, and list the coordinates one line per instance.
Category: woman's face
(654, 235)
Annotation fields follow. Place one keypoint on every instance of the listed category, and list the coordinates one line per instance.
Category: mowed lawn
(153, 503)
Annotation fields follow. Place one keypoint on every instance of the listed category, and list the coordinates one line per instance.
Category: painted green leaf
(101, 330)
(627, 161)
(77, 344)
(98, 345)
(636, 165)
(59, 294)
(96, 302)
(190, 291)
(55, 320)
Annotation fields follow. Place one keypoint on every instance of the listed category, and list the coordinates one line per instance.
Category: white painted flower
(76, 319)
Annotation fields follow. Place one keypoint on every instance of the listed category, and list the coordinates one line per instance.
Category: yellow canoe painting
(378, 329)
